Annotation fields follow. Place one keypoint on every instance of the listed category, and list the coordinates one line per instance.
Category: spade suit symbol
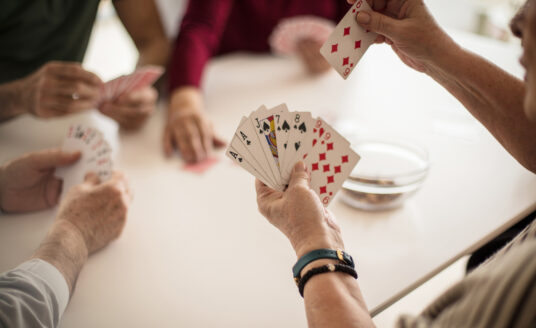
(302, 128)
(240, 159)
(297, 145)
(248, 142)
(265, 126)
(285, 126)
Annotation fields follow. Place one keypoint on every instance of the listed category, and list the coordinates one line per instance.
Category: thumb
(299, 176)
(378, 23)
(92, 178)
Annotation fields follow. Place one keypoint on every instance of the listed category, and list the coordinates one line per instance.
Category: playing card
(237, 145)
(201, 167)
(239, 159)
(95, 156)
(264, 123)
(329, 162)
(301, 124)
(348, 42)
(246, 134)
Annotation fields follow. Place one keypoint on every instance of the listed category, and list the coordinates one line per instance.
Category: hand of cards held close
(269, 142)
(96, 156)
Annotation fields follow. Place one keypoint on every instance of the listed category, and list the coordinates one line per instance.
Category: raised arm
(331, 299)
(491, 95)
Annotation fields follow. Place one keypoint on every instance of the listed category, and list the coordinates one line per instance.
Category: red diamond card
(329, 161)
(348, 42)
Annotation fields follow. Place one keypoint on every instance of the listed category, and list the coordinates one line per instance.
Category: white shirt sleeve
(34, 294)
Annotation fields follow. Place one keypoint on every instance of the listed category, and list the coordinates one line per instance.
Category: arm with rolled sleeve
(35, 294)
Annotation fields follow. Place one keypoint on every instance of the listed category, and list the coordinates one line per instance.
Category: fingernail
(363, 17)
(300, 167)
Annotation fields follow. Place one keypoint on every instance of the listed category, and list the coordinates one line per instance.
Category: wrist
(303, 246)
(14, 99)
(442, 54)
(65, 248)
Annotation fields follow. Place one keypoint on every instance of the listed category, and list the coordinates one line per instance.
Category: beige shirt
(499, 293)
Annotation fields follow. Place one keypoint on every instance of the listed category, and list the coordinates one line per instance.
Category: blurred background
(488, 18)
(485, 17)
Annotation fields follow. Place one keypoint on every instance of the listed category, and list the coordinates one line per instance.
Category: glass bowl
(389, 172)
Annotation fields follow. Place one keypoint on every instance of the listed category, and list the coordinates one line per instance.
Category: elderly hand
(131, 110)
(309, 51)
(28, 183)
(299, 214)
(97, 211)
(188, 129)
(59, 88)
(409, 28)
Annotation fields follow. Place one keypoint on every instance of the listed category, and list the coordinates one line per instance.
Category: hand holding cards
(95, 156)
(348, 42)
(142, 77)
(269, 142)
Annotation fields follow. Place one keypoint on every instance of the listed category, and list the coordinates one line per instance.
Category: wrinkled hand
(59, 88)
(188, 129)
(409, 28)
(299, 214)
(309, 52)
(28, 183)
(131, 110)
(98, 211)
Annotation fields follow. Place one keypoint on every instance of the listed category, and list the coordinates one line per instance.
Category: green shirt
(34, 32)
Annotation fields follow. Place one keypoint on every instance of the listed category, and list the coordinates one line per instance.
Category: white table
(196, 253)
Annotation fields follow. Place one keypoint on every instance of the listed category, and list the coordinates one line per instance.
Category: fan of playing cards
(95, 156)
(141, 78)
(269, 142)
(290, 31)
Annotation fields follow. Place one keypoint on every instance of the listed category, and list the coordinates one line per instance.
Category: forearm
(331, 299)
(334, 300)
(11, 100)
(492, 96)
(155, 52)
(65, 248)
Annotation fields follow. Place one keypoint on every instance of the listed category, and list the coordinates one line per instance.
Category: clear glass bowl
(389, 172)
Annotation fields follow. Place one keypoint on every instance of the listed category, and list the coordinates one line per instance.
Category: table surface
(196, 253)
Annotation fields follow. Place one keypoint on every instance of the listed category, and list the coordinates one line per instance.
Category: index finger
(73, 71)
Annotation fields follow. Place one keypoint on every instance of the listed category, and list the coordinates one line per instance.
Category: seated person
(500, 292)
(43, 44)
(36, 293)
(215, 27)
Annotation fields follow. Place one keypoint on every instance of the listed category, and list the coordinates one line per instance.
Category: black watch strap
(322, 253)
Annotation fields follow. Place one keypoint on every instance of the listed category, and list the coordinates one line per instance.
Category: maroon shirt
(214, 27)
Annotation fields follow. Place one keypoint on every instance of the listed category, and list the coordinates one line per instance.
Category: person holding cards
(216, 27)
(43, 44)
(499, 293)
(91, 215)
